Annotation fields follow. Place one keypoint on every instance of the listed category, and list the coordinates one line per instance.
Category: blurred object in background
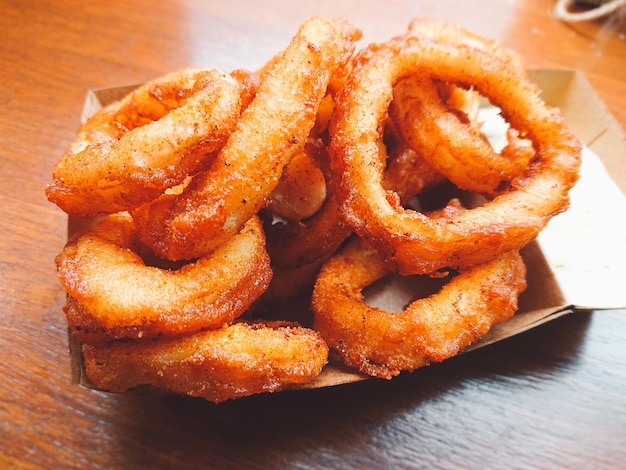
(586, 9)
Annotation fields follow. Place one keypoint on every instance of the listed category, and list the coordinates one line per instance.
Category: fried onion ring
(129, 152)
(449, 142)
(440, 119)
(443, 31)
(234, 361)
(408, 174)
(362, 168)
(410, 241)
(293, 244)
(302, 189)
(270, 132)
(382, 343)
(117, 294)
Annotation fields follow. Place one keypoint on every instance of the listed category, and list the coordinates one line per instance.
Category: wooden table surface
(554, 397)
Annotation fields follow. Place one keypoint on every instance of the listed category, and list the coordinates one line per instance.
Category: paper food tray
(577, 263)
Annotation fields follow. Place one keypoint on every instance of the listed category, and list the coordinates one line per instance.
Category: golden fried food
(131, 151)
(443, 31)
(410, 241)
(408, 174)
(231, 362)
(449, 142)
(271, 131)
(119, 295)
(301, 190)
(440, 118)
(382, 343)
(288, 283)
(228, 195)
(292, 244)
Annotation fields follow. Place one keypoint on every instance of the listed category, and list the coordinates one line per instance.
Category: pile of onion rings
(221, 196)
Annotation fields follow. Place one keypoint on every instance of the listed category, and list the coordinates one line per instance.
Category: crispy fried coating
(272, 129)
(117, 295)
(302, 189)
(231, 197)
(234, 361)
(449, 142)
(410, 241)
(293, 244)
(131, 151)
(440, 119)
(382, 343)
(408, 174)
(299, 243)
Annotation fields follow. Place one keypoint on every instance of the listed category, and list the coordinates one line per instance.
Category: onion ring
(408, 174)
(410, 241)
(442, 130)
(449, 142)
(293, 244)
(129, 152)
(164, 292)
(382, 343)
(119, 296)
(443, 31)
(270, 132)
(234, 361)
(288, 283)
(301, 190)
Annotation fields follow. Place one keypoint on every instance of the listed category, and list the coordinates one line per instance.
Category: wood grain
(551, 397)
